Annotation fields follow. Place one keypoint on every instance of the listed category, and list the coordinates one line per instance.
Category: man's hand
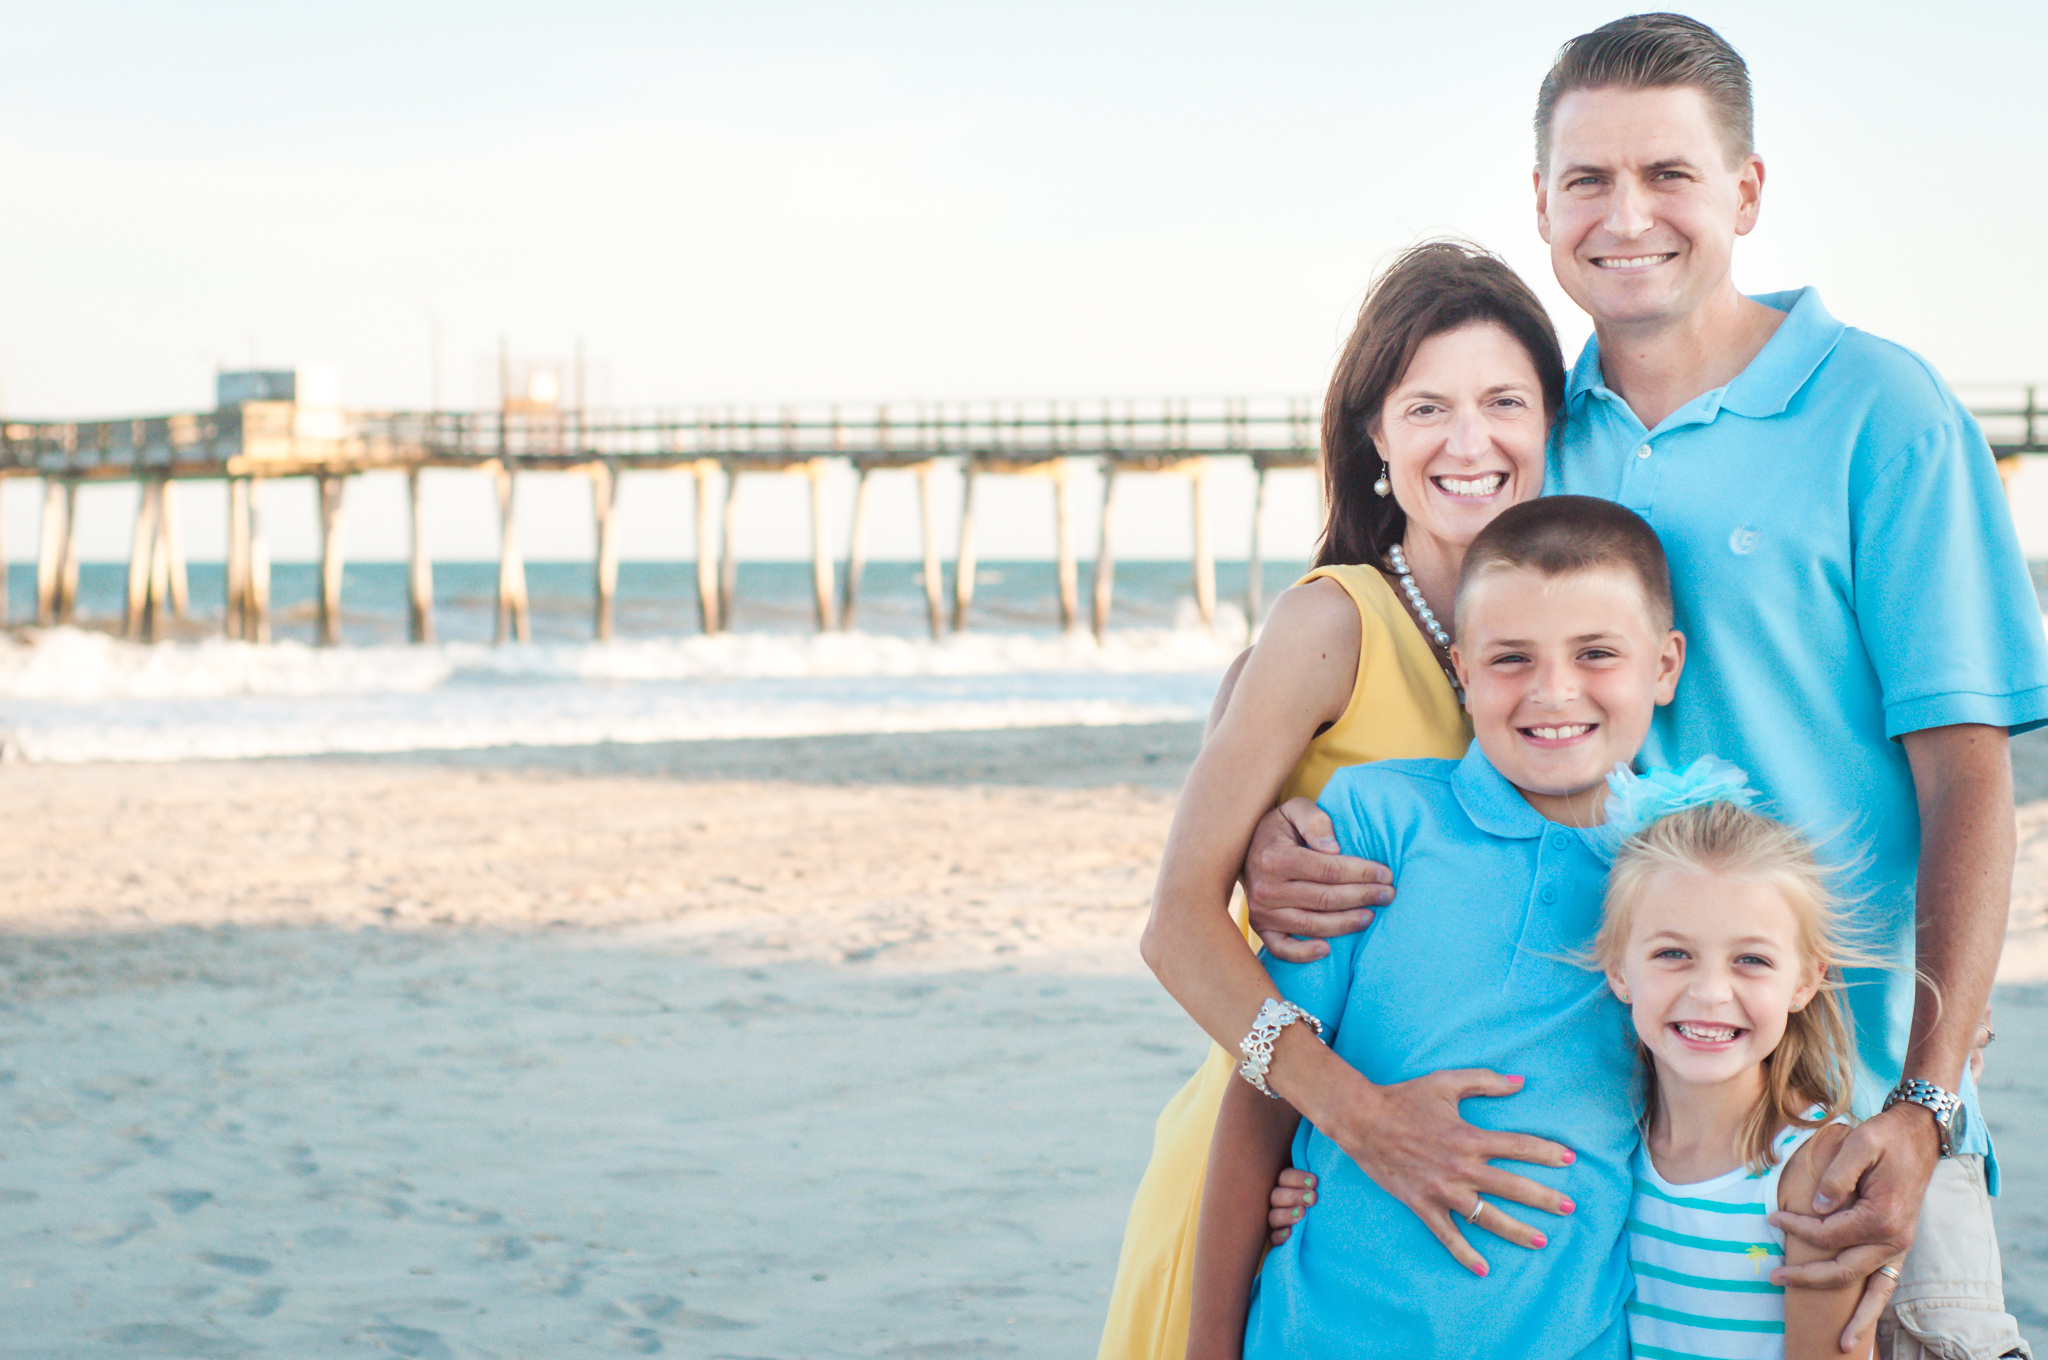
(1415, 1145)
(1295, 883)
(1872, 1192)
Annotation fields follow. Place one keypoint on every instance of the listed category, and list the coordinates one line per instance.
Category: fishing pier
(244, 444)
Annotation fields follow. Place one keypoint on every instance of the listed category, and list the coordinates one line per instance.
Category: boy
(1565, 648)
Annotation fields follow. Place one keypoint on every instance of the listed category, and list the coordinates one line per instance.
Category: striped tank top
(1703, 1256)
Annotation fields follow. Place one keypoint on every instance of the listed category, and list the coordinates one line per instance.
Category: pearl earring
(1383, 487)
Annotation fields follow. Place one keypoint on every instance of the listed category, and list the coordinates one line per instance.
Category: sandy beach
(816, 1047)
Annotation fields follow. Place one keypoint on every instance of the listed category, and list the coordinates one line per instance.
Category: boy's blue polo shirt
(1472, 966)
(1846, 572)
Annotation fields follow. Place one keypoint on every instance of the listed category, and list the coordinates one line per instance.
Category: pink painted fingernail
(1570, 1156)
(1480, 1270)
(1565, 1206)
(1516, 1080)
(1539, 1241)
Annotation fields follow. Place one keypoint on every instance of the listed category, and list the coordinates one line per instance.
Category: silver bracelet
(1257, 1046)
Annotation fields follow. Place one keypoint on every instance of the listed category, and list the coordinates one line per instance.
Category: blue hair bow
(1636, 800)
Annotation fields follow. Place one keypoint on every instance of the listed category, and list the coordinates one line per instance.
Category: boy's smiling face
(1562, 675)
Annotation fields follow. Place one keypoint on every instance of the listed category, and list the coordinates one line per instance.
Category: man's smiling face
(1640, 204)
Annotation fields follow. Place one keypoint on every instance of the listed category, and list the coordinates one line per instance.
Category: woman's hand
(1415, 1145)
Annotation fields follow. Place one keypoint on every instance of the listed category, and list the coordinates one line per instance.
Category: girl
(1722, 938)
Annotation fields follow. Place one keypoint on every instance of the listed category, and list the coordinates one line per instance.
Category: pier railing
(249, 444)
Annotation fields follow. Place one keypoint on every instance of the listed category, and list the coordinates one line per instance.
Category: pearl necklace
(1399, 561)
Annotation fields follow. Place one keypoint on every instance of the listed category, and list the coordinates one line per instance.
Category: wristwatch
(1950, 1118)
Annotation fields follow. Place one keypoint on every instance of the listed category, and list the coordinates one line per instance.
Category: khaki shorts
(1950, 1303)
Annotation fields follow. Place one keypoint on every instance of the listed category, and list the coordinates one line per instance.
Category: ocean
(81, 694)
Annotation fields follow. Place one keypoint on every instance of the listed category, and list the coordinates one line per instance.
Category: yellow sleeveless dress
(1402, 706)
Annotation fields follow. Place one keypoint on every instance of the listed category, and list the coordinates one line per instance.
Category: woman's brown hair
(1431, 288)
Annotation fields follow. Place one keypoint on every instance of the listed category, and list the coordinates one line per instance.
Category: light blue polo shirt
(1472, 966)
(1846, 572)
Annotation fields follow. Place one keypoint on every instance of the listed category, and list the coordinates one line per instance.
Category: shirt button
(1559, 840)
(1548, 895)
(1643, 452)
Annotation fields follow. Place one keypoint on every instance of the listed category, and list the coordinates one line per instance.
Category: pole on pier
(856, 547)
(604, 499)
(1105, 558)
(708, 615)
(235, 610)
(728, 538)
(331, 488)
(821, 543)
(1255, 565)
(174, 555)
(67, 574)
(513, 616)
(419, 578)
(963, 565)
(142, 559)
(927, 505)
(50, 553)
(1205, 560)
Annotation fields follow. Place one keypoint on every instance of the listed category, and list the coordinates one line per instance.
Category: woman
(1435, 422)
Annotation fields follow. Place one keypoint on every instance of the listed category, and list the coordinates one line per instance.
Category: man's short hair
(1653, 52)
(1565, 535)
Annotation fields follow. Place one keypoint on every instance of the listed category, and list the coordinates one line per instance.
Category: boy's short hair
(1653, 52)
(1563, 535)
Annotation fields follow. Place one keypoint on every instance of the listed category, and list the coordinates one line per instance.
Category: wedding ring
(1479, 1207)
(1892, 1271)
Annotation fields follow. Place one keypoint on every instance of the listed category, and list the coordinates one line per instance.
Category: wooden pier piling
(419, 576)
(138, 621)
(928, 513)
(604, 502)
(331, 491)
(1105, 555)
(856, 547)
(58, 497)
(514, 618)
(709, 616)
(817, 470)
(235, 610)
(256, 615)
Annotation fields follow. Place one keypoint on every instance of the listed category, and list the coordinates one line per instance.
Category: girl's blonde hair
(1813, 1064)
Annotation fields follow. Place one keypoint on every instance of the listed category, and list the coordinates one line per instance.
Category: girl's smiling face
(1711, 970)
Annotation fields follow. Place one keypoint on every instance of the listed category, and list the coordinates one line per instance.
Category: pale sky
(898, 201)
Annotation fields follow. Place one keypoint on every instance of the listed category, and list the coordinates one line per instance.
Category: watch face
(1958, 1125)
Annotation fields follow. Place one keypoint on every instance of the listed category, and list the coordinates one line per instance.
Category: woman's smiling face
(1462, 433)
(1712, 970)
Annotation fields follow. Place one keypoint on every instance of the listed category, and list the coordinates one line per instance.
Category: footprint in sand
(184, 1201)
(416, 1343)
(240, 1265)
(167, 1338)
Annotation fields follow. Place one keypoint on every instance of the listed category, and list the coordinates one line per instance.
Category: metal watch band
(1944, 1105)
(1257, 1046)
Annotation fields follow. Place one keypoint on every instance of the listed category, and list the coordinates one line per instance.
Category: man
(1863, 631)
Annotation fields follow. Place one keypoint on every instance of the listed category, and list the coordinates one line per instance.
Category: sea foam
(71, 695)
